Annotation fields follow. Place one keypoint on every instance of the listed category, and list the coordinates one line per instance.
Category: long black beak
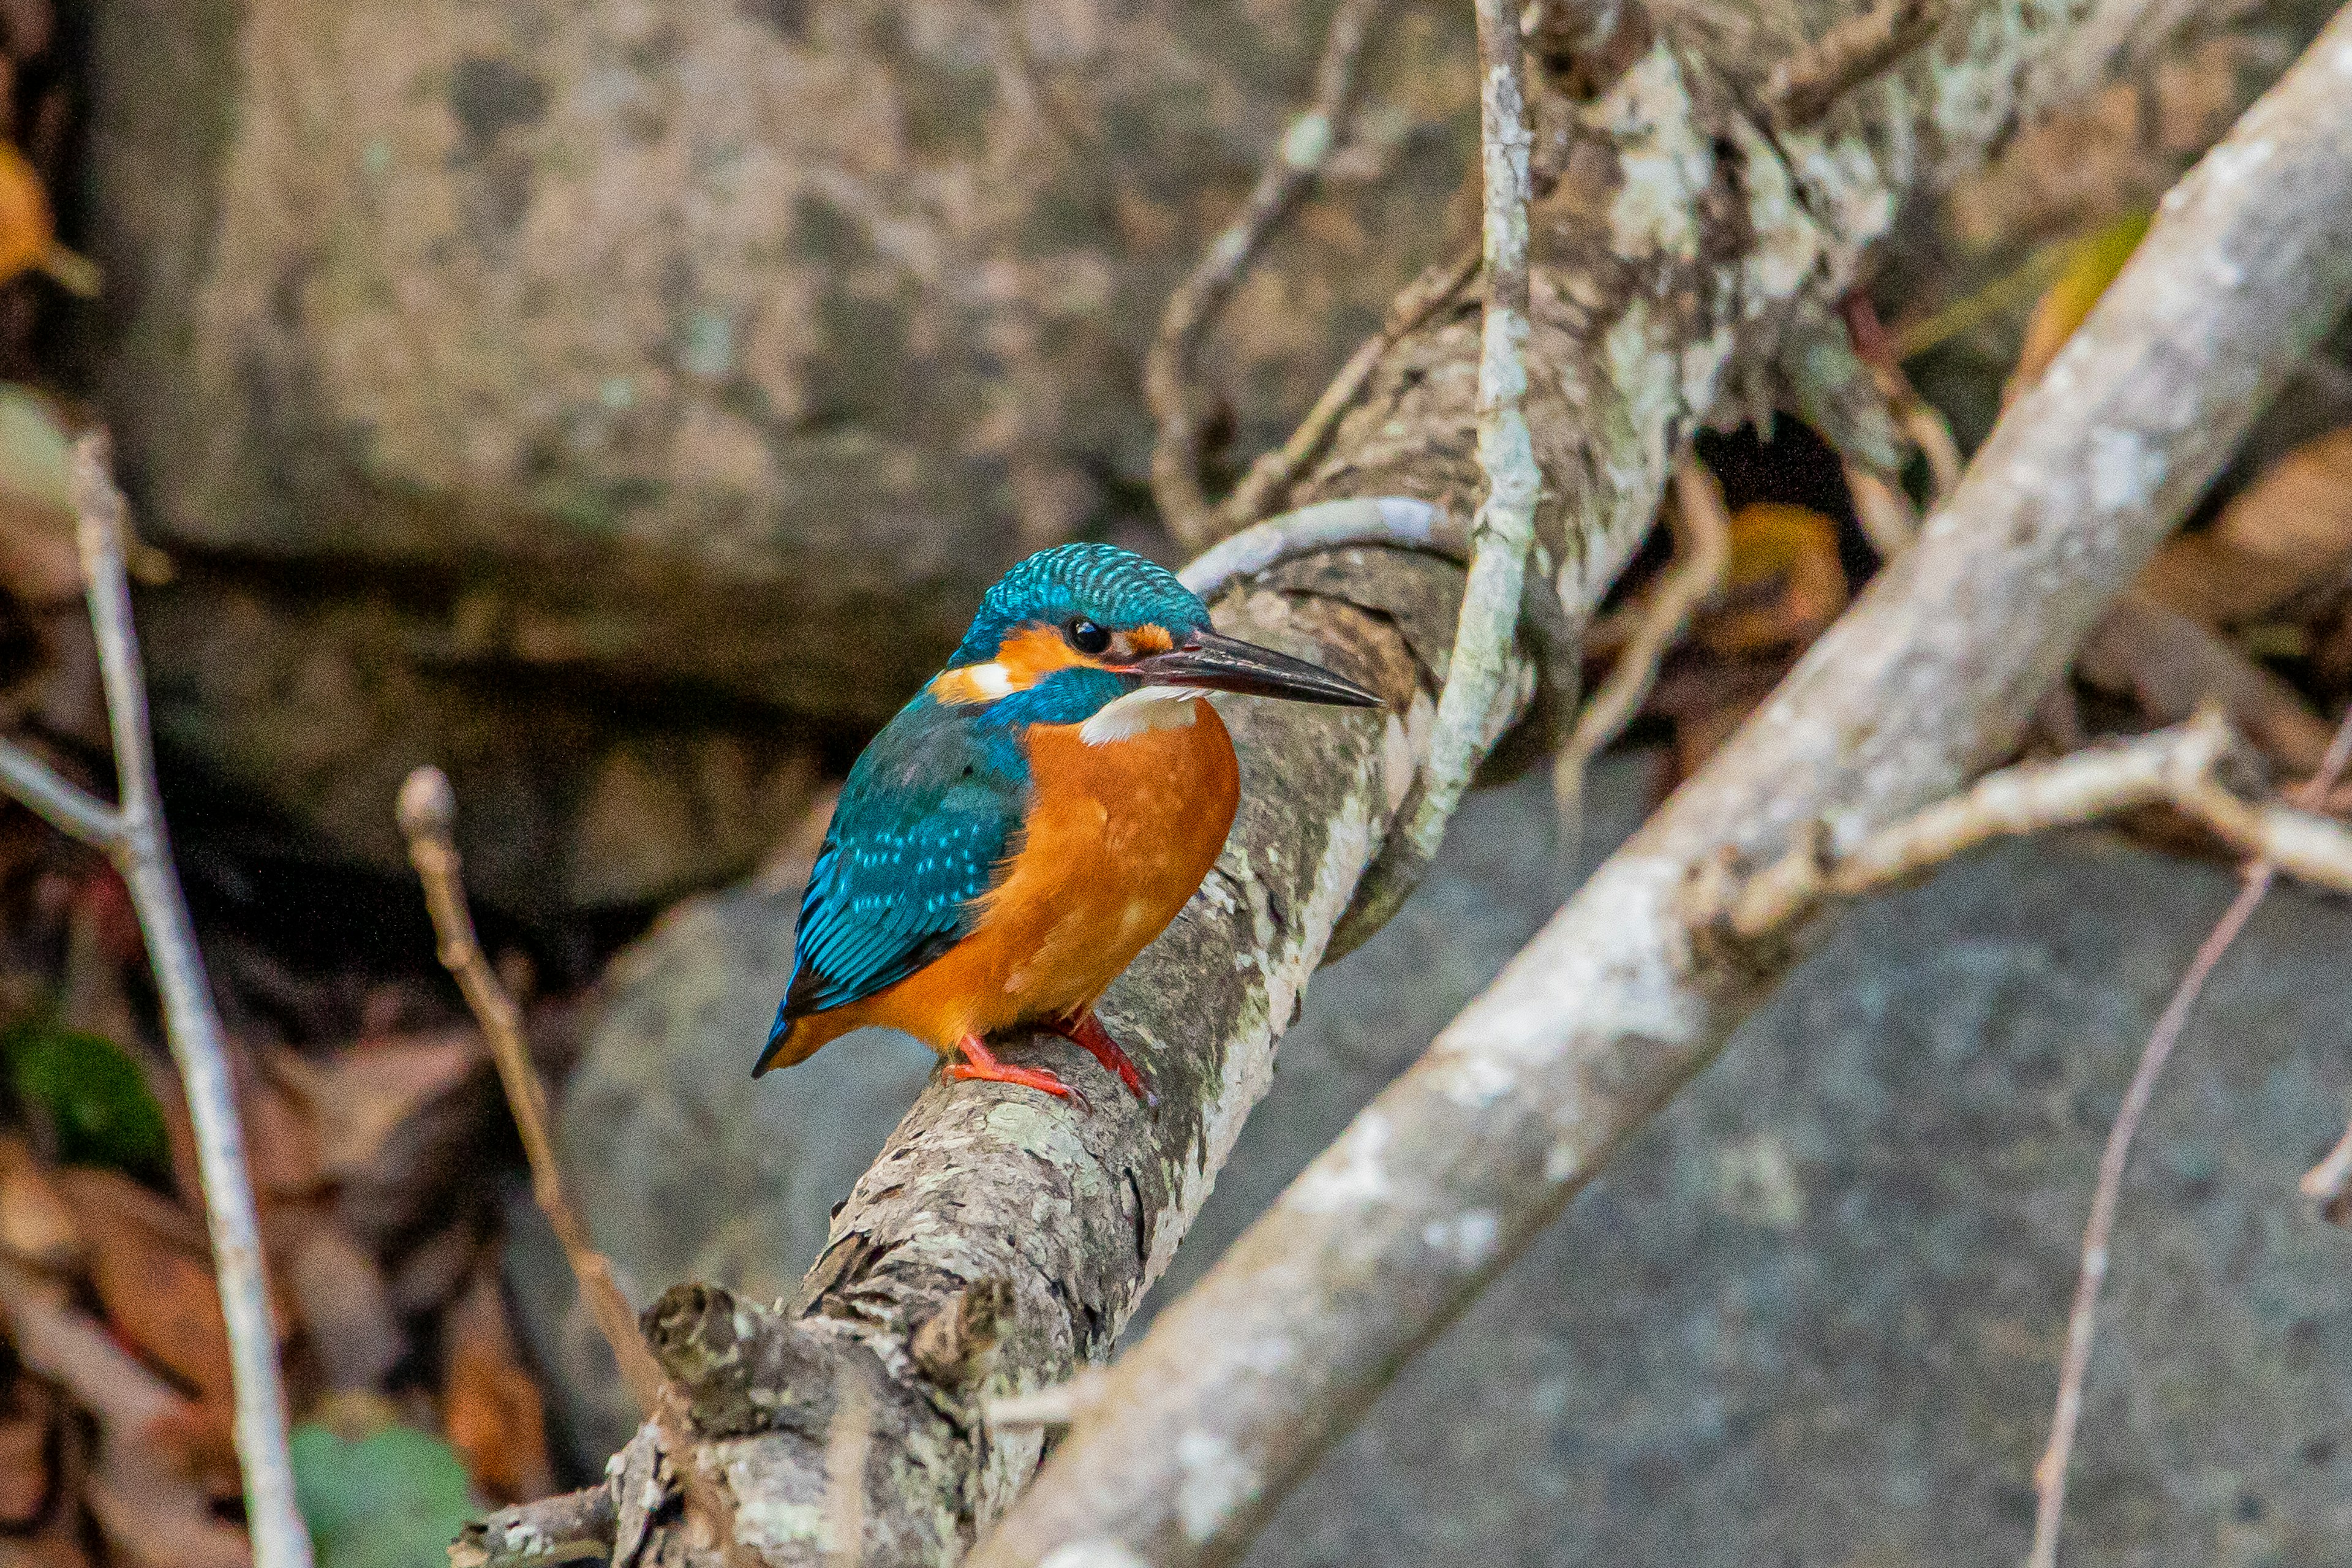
(1228, 664)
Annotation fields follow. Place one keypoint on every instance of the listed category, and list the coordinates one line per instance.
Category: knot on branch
(743, 1368)
(953, 1344)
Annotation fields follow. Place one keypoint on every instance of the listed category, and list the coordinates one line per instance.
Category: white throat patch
(1145, 709)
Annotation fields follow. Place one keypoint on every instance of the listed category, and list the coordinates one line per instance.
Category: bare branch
(1888, 519)
(1803, 88)
(1926, 681)
(2082, 1322)
(2177, 767)
(574, 1527)
(64, 804)
(1505, 527)
(1272, 474)
(1702, 530)
(1290, 171)
(134, 836)
(427, 812)
(1639, 329)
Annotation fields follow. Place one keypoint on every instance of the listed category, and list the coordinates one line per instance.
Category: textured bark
(1624, 996)
(1682, 252)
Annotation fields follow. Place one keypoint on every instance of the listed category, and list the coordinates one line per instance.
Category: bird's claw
(981, 1065)
(1085, 1031)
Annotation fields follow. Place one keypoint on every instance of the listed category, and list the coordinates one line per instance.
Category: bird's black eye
(1084, 636)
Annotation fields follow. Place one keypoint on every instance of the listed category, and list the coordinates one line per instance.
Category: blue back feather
(930, 812)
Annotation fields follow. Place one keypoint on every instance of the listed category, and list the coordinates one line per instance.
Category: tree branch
(1505, 527)
(1288, 173)
(132, 836)
(1616, 1004)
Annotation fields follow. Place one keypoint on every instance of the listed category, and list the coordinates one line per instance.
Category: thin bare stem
(2082, 1325)
(428, 811)
(1701, 534)
(2177, 767)
(1804, 87)
(65, 806)
(849, 1441)
(1289, 172)
(133, 837)
(1504, 526)
(1888, 519)
(1274, 472)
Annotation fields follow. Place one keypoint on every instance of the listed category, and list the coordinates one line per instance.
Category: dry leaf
(363, 1095)
(2090, 264)
(24, 1456)
(152, 1517)
(154, 1278)
(489, 1403)
(1785, 585)
(343, 1304)
(2289, 531)
(35, 1226)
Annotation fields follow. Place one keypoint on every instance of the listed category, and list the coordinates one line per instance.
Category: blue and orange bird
(1031, 820)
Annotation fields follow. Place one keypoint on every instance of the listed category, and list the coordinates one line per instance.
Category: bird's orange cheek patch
(1021, 660)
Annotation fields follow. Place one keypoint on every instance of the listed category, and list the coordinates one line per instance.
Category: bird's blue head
(1074, 628)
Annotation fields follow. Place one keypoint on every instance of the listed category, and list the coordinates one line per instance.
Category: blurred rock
(1811, 1315)
(719, 351)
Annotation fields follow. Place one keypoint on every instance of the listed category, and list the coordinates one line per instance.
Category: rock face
(1812, 1315)
(715, 353)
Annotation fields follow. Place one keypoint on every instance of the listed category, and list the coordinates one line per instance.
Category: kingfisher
(1031, 820)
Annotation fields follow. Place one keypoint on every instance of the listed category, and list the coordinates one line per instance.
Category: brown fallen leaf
(2288, 531)
(152, 1515)
(1785, 584)
(491, 1405)
(28, 233)
(153, 1276)
(35, 1226)
(25, 1481)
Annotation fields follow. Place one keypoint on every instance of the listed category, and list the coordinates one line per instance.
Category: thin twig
(1888, 519)
(1398, 520)
(1803, 88)
(133, 837)
(1504, 526)
(572, 1526)
(1289, 172)
(2082, 1325)
(1274, 472)
(849, 1440)
(2179, 767)
(1052, 1407)
(427, 812)
(1702, 536)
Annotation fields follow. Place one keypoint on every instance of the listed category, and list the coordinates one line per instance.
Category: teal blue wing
(925, 819)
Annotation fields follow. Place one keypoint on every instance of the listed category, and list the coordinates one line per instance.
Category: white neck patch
(1145, 709)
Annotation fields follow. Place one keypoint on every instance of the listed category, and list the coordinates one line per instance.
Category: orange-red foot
(1085, 1030)
(981, 1063)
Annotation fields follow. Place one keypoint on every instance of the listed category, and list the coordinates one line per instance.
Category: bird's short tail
(795, 1038)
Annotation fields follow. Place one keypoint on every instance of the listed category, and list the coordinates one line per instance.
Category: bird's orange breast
(1118, 838)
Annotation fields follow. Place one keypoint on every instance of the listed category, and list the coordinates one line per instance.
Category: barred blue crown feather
(1115, 588)
(930, 811)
